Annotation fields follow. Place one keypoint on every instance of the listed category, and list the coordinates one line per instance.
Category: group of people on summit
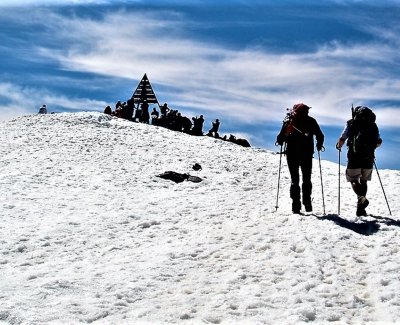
(169, 118)
(297, 135)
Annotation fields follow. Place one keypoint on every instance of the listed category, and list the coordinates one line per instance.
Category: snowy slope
(90, 234)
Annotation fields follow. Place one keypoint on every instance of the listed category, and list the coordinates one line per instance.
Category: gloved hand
(279, 141)
(320, 147)
(339, 144)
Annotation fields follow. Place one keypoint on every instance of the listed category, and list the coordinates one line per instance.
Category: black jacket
(299, 135)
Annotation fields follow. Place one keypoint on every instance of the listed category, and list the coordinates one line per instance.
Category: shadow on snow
(362, 227)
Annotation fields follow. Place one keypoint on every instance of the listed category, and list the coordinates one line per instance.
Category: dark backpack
(364, 115)
(363, 132)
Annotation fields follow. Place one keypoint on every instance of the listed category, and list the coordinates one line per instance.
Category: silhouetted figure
(124, 111)
(186, 124)
(145, 117)
(154, 113)
(362, 135)
(108, 110)
(128, 110)
(171, 120)
(43, 109)
(213, 132)
(161, 121)
(164, 109)
(118, 109)
(154, 116)
(138, 115)
(178, 122)
(198, 125)
(298, 133)
(239, 141)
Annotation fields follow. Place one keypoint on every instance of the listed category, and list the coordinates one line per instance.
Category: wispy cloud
(250, 84)
(240, 83)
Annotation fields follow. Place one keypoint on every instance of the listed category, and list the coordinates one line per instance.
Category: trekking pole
(383, 190)
(340, 151)
(279, 178)
(320, 172)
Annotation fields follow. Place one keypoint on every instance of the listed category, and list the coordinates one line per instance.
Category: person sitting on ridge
(43, 109)
(108, 110)
(154, 113)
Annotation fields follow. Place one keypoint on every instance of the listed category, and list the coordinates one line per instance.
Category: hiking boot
(362, 203)
(308, 207)
(296, 206)
(361, 212)
(307, 204)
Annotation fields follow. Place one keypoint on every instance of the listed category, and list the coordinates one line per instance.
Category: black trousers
(297, 161)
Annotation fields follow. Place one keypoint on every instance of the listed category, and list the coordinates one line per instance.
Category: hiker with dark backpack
(298, 131)
(362, 135)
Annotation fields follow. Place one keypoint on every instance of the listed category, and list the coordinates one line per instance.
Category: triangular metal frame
(144, 92)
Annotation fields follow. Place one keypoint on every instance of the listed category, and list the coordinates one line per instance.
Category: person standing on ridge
(198, 125)
(164, 110)
(145, 117)
(362, 135)
(214, 129)
(298, 131)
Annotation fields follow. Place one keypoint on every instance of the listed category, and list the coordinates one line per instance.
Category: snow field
(89, 234)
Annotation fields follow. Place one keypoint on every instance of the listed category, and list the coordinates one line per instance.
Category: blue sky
(243, 62)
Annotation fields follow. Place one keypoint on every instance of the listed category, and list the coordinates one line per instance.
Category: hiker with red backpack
(362, 135)
(298, 131)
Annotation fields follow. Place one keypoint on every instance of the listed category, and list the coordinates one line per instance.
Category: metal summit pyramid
(144, 92)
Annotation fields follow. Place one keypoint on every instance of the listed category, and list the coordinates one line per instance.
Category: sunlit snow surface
(90, 234)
